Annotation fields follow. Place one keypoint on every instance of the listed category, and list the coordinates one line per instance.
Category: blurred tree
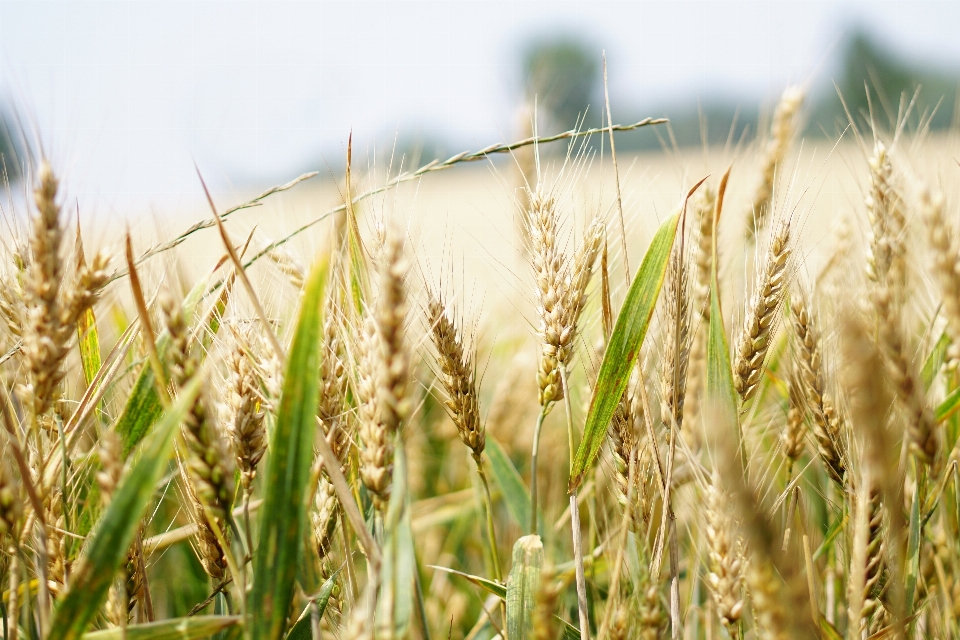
(10, 154)
(867, 65)
(563, 75)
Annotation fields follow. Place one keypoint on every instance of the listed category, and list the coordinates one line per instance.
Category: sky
(125, 97)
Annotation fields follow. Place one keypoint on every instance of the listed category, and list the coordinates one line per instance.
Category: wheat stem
(534, 456)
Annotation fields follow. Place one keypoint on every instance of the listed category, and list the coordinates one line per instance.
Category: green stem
(582, 611)
(533, 469)
(491, 531)
(578, 561)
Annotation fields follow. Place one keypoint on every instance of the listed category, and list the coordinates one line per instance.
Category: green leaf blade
(91, 579)
(288, 470)
(143, 407)
(515, 492)
(623, 348)
(88, 341)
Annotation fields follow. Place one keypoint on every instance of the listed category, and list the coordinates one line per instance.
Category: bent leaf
(93, 574)
(288, 470)
(490, 586)
(176, 629)
(302, 630)
(624, 348)
(143, 406)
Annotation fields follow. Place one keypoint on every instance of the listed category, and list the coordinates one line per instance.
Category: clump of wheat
(330, 411)
(704, 208)
(211, 472)
(744, 532)
(376, 442)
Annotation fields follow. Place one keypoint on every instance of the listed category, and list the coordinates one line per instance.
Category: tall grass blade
(104, 552)
(623, 348)
(288, 469)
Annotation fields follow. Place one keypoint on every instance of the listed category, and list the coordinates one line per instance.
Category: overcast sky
(125, 95)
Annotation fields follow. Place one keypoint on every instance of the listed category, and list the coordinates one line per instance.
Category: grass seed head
(757, 332)
(242, 412)
(726, 564)
(376, 442)
(458, 369)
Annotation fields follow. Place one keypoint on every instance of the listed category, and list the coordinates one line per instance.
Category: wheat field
(545, 393)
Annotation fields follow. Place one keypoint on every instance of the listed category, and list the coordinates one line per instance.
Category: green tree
(563, 75)
(867, 65)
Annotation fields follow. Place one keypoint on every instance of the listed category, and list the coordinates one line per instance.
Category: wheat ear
(726, 565)
(946, 267)
(809, 367)
(704, 208)
(208, 462)
(676, 344)
(755, 336)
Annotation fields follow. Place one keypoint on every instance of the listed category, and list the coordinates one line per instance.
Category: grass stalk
(582, 611)
(534, 456)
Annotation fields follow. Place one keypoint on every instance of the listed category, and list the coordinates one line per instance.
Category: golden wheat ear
(761, 315)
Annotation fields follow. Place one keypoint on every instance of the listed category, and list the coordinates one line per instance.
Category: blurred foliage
(10, 152)
(867, 66)
(563, 76)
